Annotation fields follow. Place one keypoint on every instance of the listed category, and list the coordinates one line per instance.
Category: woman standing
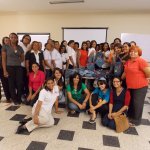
(136, 71)
(82, 55)
(34, 55)
(12, 56)
(65, 57)
(4, 80)
(41, 112)
(119, 102)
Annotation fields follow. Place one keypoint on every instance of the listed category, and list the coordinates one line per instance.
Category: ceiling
(28, 6)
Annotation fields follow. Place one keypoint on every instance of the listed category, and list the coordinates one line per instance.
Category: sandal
(73, 112)
(92, 121)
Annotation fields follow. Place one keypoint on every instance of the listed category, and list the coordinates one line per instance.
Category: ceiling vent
(65, 1)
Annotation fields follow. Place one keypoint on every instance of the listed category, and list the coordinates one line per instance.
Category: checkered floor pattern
(70, 132)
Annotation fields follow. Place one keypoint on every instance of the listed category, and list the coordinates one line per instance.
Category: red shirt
(135, 77)
(36, 82)
(83, 58)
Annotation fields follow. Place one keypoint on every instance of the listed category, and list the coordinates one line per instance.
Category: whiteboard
(84, 34)
(142, 40)
(40, 37)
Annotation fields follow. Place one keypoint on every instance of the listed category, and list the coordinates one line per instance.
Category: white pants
(45, 120)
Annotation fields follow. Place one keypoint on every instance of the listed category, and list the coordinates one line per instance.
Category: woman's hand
(80, 106)
(33, 96)
(114, 115)
(110, 116)
(91, 108)
(29, 97)
(58, 111)
(84, 105)
(5, 74)
(36, 119)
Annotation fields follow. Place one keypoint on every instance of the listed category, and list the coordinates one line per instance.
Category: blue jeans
(73, 106)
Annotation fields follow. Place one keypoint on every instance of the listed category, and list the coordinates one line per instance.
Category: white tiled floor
(82, 138)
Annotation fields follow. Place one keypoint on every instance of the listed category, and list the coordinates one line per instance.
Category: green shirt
(77, 95)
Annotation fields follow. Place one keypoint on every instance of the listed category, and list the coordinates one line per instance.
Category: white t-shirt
(71, 52)
(25, 49)
(57, 57)
(48, 57)
(64, 57)
(48, 99)
(90, 50)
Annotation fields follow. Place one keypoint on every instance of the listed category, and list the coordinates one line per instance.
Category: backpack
(118, 68)
(90, 63)
(99, 61)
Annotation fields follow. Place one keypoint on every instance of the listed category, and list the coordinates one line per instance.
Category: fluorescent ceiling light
(65, 1)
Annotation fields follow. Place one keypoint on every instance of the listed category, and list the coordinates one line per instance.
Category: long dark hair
(62, 77)
(79, 83)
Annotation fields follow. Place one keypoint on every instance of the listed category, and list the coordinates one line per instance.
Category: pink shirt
(135, 77)
(36, 82)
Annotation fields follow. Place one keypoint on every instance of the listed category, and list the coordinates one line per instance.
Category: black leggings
(103, 110)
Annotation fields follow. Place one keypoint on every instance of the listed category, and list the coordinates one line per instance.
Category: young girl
(41, 111)
(99, 99)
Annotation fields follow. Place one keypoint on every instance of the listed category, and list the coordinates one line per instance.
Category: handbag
(122, 123)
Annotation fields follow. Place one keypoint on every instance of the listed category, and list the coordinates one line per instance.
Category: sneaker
(92, 121)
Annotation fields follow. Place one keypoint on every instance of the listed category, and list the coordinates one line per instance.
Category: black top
(31, 58)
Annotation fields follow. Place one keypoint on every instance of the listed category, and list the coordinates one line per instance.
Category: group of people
(37, 78)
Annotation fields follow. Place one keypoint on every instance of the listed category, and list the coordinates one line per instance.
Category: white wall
(117, 23)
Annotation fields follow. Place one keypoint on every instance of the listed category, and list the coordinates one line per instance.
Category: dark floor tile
(56, 120)
(149, 113)
(80, 148)
(87, 125)
(111, 141)
(1, 138)
(62, 105)
(66, 135)
(146, 102)
(35, 145)
(132, 131)
(12, 108)
(73, 115)
(24, 133)
(145, 122)
(18, 117)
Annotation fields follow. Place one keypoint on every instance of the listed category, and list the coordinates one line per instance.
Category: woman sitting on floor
(119, 102)
(41, 111)
(99, 99)
(36, 81)
(77, 101)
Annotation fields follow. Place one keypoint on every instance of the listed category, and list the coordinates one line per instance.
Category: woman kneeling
(41, 111)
